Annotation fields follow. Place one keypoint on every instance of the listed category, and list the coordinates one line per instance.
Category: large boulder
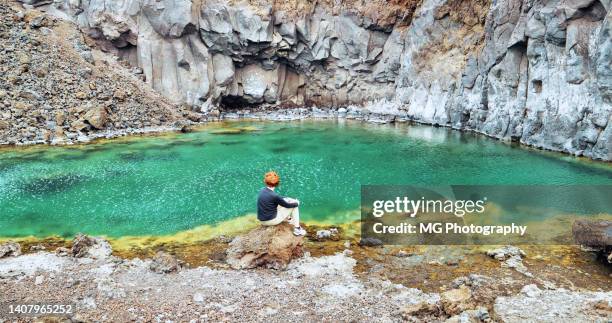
(9, 249)
(96, 117)
(596, 235)
(84, 246)
(266, 246)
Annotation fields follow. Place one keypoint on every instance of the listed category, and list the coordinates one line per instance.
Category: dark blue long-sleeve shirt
(267, 202)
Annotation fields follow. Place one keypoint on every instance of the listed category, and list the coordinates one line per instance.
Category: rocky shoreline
(275, 114)
(535, 72)
(107, 288)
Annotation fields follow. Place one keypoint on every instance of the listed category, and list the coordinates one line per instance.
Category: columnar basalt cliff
(534, 71)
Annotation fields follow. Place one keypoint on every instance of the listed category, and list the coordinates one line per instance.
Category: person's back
(268, 202)
(273, 209)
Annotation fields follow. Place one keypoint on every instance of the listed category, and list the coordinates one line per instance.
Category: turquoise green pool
(165, 184)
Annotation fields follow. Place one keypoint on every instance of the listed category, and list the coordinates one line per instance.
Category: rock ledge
(270, 247)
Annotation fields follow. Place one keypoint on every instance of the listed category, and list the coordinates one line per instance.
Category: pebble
(403, 254)
(198, 298)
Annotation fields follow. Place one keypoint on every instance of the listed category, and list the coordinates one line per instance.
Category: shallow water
(164, 184)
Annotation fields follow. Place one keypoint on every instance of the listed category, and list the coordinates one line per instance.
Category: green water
(165, 184)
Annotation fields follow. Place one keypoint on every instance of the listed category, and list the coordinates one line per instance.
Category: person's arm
(281, 201)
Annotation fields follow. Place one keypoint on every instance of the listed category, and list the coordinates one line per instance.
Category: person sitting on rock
(273, 209)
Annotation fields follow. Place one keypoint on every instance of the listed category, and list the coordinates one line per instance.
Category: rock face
(90, 247)
(266, 246)
(534, 71)
(10, 249)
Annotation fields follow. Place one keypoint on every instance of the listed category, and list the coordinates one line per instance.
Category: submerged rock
(10, 249)
(270, 247)
(164, 263)
(90, 247)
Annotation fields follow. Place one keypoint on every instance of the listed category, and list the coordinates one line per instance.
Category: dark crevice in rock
(235, 102)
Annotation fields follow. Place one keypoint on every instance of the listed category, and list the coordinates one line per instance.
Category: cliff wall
(534, 71)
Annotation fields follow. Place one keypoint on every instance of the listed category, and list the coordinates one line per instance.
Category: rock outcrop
(10, 249)
(510, 257)
(595, 235)
(266, 246)
(551, 305)
(164, 263)
(90, 247)
(457, 300)
(537, 72)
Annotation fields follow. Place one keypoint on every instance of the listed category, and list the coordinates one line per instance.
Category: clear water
(165, 184)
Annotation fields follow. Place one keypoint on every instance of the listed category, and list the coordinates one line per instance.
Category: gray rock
(549, 306)
(96, 117)
(603, 68)
(198, 298)
(511, 257)
(169, 18)
(10, 249)
(224, 69)
(370, 242)
(164, 263)
(61, 251)
(36, 3)
(326, 234)
(84, 246)
(505, 252)
(254, 83)
(37, 247)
